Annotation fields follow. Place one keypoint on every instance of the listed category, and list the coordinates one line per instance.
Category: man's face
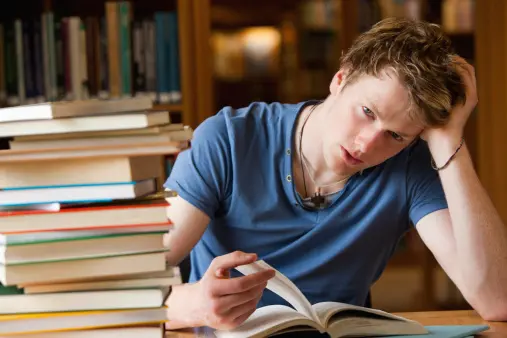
(367, 122)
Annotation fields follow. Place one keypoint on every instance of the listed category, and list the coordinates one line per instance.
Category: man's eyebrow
(379, 114)
(377, 111)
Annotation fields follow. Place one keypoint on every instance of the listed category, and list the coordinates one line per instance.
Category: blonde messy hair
(420, 55)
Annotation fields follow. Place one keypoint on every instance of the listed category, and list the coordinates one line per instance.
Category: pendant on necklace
(317, 199)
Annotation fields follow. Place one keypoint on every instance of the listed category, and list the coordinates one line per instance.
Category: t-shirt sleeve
(200, 173)
(424, 189)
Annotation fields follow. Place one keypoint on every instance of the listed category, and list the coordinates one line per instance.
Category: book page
(266, 321)
(326, 310)
(283, 287)
(363, 327)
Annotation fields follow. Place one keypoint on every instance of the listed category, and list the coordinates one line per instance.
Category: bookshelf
(269, 46)
(314, 33)
(308, 26)
(108, 49)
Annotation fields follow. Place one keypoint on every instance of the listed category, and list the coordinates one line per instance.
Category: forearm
(181, 308)
(479, 233)
(188, 225)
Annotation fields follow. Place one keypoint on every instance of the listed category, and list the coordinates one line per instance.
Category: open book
(335, 319)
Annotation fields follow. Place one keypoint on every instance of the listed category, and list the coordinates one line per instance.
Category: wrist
(451, 158)
(443, 147)
(181, 307)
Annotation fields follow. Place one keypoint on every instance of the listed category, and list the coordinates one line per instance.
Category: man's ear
(338, 81)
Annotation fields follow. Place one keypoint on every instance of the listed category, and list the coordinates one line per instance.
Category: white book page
(266, 321)
(363, 326)
(325, 310)
(283, 287)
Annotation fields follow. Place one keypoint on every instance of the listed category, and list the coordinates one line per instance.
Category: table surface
(497, 329)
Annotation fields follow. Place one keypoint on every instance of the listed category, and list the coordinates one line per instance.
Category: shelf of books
(99, 49)
(83, 218)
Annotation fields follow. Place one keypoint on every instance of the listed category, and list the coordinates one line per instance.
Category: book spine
(75, 57)
(18, 33)
(54, 55)
(60, 60)
(38, 62)
(124, 13)
(138, 47)
(3, 89)
(95, 33)
(45, 55)
(66, 58)
(104, 60)
(162, 67)
(174, 60)
(150, 58)
(113, 49)
(93, 87)
(28, 62)
(83, 61)
(11, 67)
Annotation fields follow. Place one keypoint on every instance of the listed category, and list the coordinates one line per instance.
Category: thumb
(221, 265)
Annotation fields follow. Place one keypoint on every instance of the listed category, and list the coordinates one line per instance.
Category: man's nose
(367, 138)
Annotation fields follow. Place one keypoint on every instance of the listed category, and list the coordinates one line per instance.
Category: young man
(324, 190)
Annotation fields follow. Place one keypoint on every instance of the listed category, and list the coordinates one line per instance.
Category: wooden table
(497, 329)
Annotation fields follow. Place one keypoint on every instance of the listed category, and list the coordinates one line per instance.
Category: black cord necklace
(317, 199)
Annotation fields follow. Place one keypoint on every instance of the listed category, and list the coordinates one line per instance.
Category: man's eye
(367, 111)
(396, 136)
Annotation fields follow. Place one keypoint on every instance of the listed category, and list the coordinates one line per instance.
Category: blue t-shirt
(239, 172)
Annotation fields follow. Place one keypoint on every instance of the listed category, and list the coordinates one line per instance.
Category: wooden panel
(187, 61)
(168, 106)
(349, 26)
(203, 66)
(491, 41)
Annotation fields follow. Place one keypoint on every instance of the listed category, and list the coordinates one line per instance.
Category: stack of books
(82, 222)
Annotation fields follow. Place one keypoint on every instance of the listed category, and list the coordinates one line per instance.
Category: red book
(142, 213)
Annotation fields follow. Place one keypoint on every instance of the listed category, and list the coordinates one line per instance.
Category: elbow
(494, 311)
(494, 315)
(489, 300)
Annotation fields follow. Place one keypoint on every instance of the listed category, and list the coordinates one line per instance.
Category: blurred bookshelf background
(192, 57)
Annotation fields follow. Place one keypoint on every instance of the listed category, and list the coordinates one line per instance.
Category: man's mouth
(349, 159)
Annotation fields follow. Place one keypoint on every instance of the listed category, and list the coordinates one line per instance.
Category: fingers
(234, 300)
(222, 273)
(236, 316)
(231, 260)
(241, 284)
(467, 74)
(239, 320)
(463, 67)
(242, 312)
(227, 302)
(470, 85)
